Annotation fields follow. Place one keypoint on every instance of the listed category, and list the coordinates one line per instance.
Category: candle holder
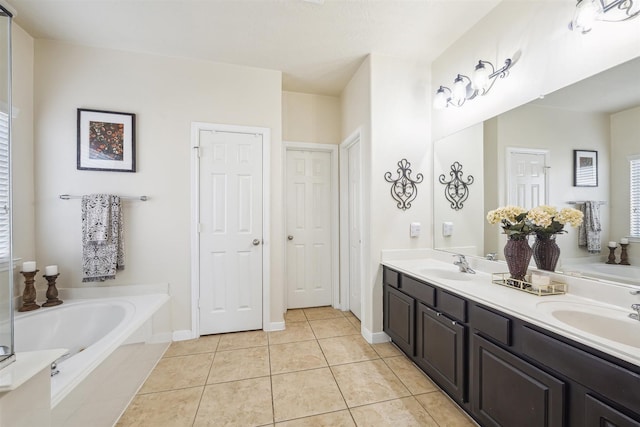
(612, 256)
(624, 257)
(29, 293)
(52, 292)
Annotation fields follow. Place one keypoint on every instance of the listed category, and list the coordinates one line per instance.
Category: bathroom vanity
(502, 356)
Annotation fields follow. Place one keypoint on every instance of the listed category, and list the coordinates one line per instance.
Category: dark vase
(546, 252)
(517, 253)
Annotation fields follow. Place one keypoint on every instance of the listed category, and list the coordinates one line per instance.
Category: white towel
(102, 237)
(589, 231)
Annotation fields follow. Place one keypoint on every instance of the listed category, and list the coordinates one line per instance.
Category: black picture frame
(585, 168)
(106, 141)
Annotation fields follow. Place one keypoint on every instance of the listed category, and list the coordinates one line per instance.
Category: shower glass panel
(6, 265)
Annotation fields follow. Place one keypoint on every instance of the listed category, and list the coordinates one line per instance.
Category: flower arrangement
(513, 219)
(544, 221)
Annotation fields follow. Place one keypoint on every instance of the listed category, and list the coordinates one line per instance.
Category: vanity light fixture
(465, 88)
(589, 11)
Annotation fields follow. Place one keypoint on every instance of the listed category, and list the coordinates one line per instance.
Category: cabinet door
(440, 350)
(507, 391)
(599, 414)
(399, 319)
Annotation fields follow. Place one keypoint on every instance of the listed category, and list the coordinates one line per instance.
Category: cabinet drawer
(616, 383)
(419, 290)
(391, 278)
(491, 324)
(453, 306)
(598, 414)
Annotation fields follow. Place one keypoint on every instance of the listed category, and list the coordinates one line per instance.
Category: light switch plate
(414, 229)
(447, 229)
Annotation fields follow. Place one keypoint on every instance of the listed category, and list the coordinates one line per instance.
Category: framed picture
(585, 168)
(106, 141)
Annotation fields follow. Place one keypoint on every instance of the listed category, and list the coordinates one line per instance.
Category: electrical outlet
(414, 229)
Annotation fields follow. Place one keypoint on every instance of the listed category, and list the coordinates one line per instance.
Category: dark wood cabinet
(599, 414)
(503, 370)
(507, 391)
(441, 350)
(399, 319)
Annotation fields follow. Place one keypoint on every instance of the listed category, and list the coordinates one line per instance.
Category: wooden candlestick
(29, 294)
(52, 292)
(612, 256)
(624, 257)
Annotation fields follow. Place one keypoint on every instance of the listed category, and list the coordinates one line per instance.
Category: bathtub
(617, 273)
(90, 329)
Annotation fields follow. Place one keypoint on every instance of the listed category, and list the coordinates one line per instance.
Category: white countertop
(523, 305)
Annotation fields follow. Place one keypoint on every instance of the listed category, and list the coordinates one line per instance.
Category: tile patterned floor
(318, 372)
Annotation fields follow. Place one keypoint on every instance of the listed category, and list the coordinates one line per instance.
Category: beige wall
(625, 128)
(399, 129)
(22, 169)
(310, 118)
(167, 95)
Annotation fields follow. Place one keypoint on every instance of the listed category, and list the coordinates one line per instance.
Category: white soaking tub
(90, 329)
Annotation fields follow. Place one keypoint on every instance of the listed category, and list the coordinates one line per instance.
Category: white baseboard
(374, 338)
(160, 338)
(185, 334)
(275, 326)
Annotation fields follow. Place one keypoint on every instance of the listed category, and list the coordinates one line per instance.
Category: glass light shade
(587, 12)
(459, 90)
(440, 100)
(480, 80)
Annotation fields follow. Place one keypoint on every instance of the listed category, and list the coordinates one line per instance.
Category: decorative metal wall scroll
(456, 190)
(403, 188)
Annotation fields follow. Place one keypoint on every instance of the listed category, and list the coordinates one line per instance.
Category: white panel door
(527, 180)
(355, 228)
(230, 232)
(308, 201)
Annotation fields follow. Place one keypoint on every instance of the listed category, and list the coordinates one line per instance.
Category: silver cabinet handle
(289, 237)
(256, 242)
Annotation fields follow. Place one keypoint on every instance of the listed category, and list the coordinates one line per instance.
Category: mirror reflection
(527, 157)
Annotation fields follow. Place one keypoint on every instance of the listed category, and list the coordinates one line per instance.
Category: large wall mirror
(599, 114)
(6, 273)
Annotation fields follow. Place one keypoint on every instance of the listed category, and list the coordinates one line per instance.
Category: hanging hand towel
(102, 237)
(589, 231)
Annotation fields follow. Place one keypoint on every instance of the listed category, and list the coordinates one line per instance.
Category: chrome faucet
(491, 256)
(635, 315)
(463, 265)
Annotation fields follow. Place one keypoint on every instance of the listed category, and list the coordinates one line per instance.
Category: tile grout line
(273, 404)
(206, 380)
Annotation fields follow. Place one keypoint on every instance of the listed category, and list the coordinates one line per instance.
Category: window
(5, 223)
(634, 188)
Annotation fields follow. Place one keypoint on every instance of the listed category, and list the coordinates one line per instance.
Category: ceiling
(318, 45)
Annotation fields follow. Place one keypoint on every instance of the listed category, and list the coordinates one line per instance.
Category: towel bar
(142, 198)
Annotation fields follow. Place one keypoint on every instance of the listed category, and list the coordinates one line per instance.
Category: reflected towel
(102, 237)
(589, 231)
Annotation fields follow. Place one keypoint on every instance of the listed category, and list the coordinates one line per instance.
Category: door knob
(256, 242)
(289, 237)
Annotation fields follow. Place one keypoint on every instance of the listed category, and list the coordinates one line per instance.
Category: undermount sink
(442, 273)
(608, 323)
